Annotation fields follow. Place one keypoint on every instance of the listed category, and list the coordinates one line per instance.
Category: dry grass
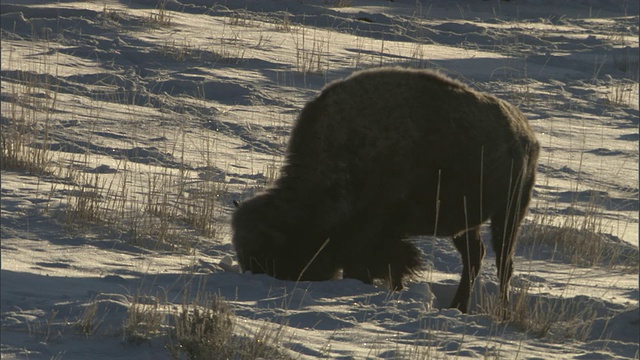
(311, 51)
(145, 320)
(44, 330)
(201, 328)
(541, 316)
(160, 17)
(229, 49)
(90, 321)
(282, 22)
(578, 233)
(158, 209)
(581, 241)
(622, 93)
(342, 3)
(25, 131)
(205, 329)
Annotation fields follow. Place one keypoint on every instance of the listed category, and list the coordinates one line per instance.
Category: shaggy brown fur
(384, 154)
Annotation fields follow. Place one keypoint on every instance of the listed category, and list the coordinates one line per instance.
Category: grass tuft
(205, 329)
(160, 18)
(145, 320)
(342, 3)
(556, 319)
(25, 127)
(580, 238)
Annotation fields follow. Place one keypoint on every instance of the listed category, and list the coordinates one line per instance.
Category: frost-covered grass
(121, 159)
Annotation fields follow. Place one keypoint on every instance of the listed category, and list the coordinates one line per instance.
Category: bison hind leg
(472, 251)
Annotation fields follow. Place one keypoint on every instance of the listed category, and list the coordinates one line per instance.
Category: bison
(383, 154)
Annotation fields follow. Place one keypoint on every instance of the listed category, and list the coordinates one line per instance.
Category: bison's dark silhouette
(384, 154)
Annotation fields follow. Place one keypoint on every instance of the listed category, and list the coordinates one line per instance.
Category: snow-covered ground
(156, 118)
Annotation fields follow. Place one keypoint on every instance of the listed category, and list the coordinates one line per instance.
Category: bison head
(270, 241)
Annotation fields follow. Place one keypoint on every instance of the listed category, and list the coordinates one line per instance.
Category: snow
(196, 101)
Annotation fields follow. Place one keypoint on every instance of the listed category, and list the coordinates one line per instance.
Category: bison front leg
(368, 259)
(377, 251)
(388, 260)
(374, 242)
(470, 246)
